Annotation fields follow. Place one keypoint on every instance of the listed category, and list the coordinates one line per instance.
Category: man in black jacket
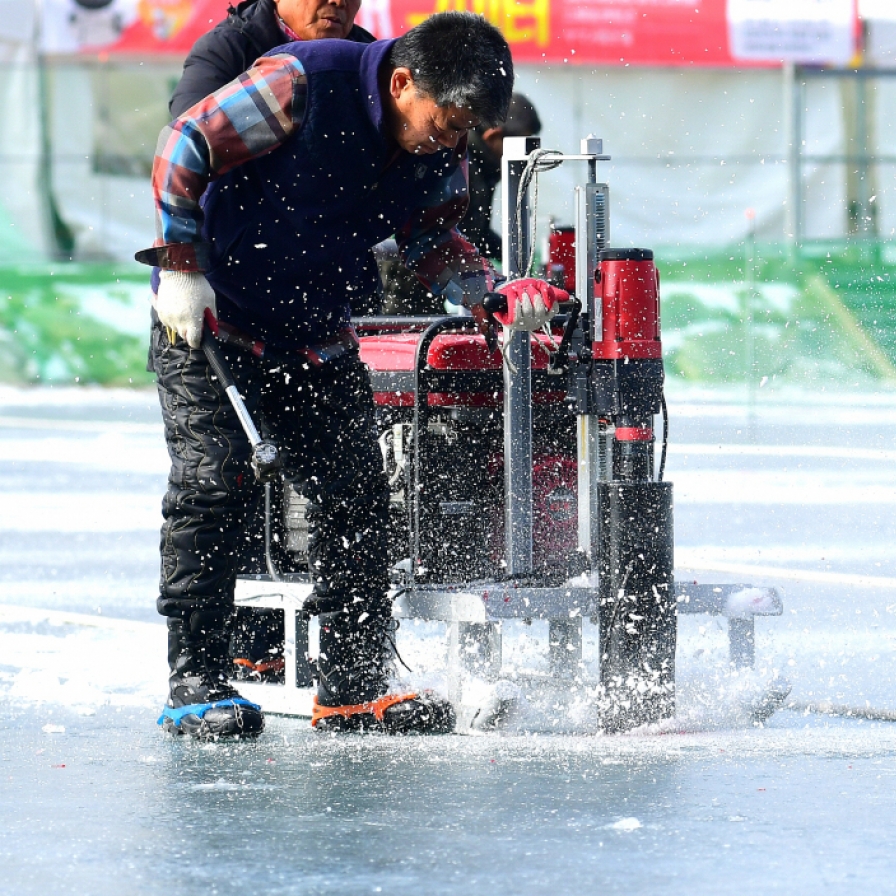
(249, 31)
(252, 29)
(485, 149)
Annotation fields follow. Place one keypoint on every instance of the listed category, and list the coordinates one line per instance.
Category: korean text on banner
(802, 31)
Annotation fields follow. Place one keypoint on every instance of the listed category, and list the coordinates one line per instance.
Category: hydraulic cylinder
(637, 609)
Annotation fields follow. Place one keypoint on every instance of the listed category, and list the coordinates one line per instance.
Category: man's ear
(400, 81)
(493, 138)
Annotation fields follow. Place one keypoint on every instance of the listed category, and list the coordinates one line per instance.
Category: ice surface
(79, 661)
(797, 809)
(709, 802)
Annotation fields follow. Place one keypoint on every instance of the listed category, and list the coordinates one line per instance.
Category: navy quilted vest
(291, 231)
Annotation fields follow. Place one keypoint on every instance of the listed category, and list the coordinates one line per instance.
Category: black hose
(659, 477)
(273, 572)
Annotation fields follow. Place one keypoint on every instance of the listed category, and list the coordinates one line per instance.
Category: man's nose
(449, 139)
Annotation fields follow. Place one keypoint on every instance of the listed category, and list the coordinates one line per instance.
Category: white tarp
(58, 118)
(692, 151)
(883, 10)
(22, 210)
(111, 215)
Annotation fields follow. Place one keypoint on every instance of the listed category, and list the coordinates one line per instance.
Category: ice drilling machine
(524, 482)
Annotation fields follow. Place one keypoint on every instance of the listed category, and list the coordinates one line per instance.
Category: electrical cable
(273, 572)
(659, 477)
(538, 160)
(824, 708)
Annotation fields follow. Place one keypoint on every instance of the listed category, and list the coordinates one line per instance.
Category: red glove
(531, 303)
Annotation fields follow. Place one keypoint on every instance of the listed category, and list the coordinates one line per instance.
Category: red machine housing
(438, 391)
(561, 267)
(628, 284)
(465, 352)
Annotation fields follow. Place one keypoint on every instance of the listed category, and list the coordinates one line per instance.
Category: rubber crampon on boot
(256, 645)
(353, 693)
(201, 701)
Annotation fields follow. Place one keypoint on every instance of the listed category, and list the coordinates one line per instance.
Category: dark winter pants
(322, 420)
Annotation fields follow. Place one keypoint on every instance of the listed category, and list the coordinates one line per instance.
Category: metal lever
(493, 303)
(265, 461)
(559, 362)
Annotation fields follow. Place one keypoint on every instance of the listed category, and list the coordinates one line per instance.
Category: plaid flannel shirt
(251, 117)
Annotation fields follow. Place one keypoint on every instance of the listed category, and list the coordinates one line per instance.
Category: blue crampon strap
(200, 709)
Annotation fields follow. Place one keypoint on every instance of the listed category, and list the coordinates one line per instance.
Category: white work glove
(181, 302)
(531, 303)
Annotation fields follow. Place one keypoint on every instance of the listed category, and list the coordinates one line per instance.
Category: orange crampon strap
(376, 708)
(277, 665)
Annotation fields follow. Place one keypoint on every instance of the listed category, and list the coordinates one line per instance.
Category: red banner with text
(580, 32)
(596, 32)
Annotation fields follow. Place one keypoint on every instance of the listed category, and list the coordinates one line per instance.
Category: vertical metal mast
(592, 224)
(518, 377)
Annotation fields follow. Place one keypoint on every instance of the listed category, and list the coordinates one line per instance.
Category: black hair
(459, 59)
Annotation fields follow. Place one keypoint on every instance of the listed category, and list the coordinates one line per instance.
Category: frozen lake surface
(800, 494)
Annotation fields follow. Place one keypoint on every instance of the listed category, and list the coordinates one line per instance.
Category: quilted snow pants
(322, 419)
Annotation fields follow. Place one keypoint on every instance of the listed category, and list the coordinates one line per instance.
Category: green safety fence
(769, 314)
(74, 323)
(751, 314)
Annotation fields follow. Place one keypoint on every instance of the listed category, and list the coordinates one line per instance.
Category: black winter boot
(201, 701)
(354, 667)
(256, 645)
